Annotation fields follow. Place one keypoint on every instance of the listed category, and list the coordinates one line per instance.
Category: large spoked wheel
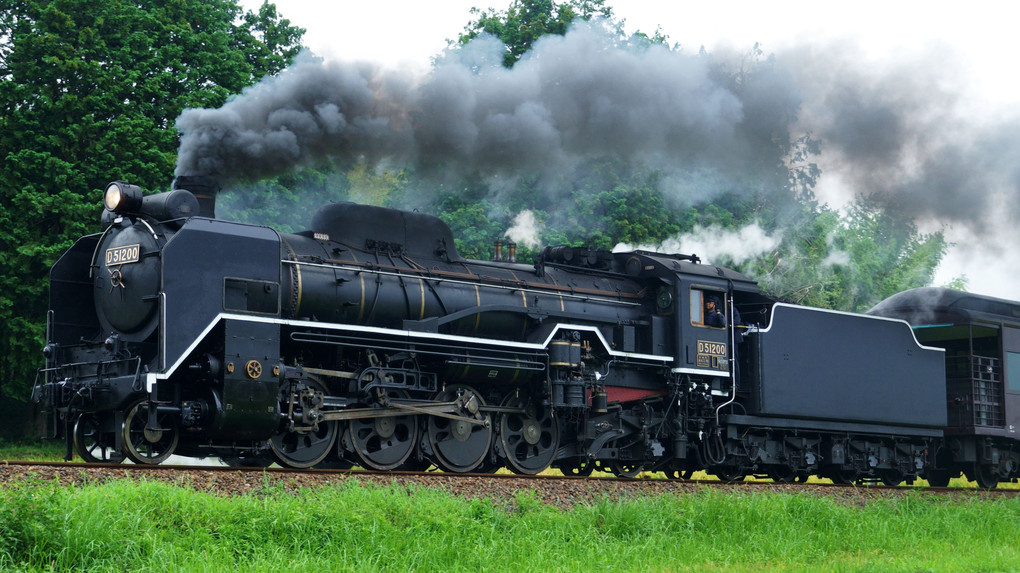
(384, 443)
(92, 444)
(308, 443)
(143, 444)
(460, 445)
(530, 438)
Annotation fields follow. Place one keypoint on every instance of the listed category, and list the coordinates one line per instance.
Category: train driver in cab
(712, 315)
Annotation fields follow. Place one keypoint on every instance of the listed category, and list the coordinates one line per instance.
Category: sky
(974, 42)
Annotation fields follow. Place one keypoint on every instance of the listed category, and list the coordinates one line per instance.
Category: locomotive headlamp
(122, 197)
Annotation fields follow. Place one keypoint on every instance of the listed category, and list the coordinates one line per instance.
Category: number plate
(122, 255)
(711, 348)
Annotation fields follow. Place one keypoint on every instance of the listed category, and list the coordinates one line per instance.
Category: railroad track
(557, 490)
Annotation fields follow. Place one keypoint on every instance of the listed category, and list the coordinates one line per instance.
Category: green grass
(151, 526)
(33, 450)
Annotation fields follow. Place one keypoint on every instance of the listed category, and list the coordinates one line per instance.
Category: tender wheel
(938, 478)
(529, 439)
(387, 442)
(782, 473)
(460, 445)
(308, 443)
(92, 444)
(891, 477)
(984, 475)
(843, 476)
(144, 445)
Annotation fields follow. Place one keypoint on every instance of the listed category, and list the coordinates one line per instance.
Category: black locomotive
(368, 340)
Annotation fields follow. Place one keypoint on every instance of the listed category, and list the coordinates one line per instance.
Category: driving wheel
(460, 443)
(307, 443)
(529, 438)
(386, 442)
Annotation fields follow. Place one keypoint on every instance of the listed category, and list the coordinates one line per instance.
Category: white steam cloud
(713, 244)
(525, 229)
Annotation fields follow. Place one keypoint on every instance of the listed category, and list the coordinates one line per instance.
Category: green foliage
(151, 526)
(88, 94)
(851, 261)
(525, 21)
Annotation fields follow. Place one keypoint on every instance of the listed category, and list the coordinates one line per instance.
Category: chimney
(204, 188)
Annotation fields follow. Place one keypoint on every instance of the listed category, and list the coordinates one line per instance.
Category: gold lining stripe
(478, 303)
(421, 285)
(524, 301)
(562, 306)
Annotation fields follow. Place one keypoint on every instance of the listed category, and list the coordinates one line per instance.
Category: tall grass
(33, 450)
(150, 526)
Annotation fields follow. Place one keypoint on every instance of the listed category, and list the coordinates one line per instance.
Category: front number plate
(122, 255)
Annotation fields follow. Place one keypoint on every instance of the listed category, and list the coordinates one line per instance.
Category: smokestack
(204, 188)
(498, 248)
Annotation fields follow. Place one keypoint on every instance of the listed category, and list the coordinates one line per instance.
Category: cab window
(699, 311)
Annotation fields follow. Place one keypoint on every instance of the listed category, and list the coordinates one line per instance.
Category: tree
(850, 261)
(89, 92)
(525, 21)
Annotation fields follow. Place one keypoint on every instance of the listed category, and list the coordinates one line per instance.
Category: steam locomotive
(367, 340)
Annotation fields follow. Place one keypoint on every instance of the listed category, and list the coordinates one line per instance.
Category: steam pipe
(732, 361)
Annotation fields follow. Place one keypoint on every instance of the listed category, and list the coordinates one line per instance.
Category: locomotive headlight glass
(122, 197)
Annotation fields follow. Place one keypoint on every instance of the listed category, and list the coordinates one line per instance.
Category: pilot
(712, 315)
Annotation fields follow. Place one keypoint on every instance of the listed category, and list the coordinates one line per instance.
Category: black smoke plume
(711, 123)
(583, 95)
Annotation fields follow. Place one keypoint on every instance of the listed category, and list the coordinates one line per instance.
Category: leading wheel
(461, 443)
(529, 438)
(92, 444)
(145, 442)
(386, 442)
(308, 441)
